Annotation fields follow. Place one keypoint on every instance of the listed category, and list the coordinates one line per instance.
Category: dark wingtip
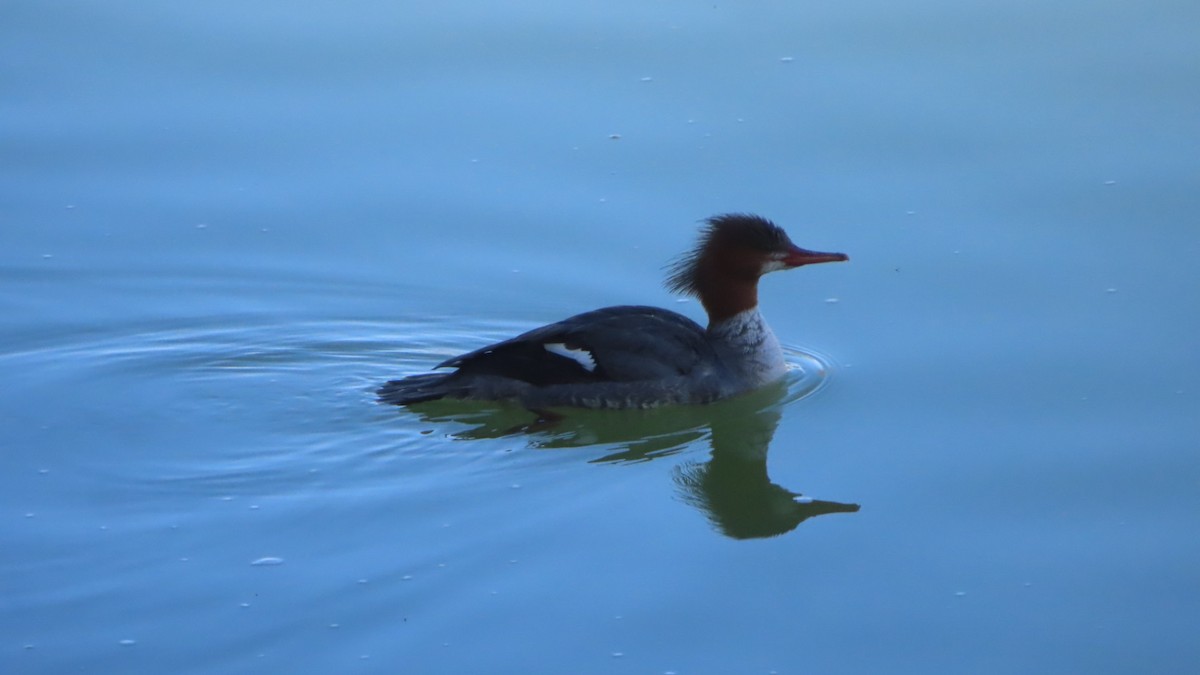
(415, 389)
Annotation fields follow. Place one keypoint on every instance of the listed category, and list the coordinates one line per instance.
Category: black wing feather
(627, 343)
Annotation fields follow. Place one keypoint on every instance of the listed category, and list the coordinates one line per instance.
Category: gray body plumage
(639, 357)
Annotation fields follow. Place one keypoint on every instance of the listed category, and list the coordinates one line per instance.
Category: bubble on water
(267, 561)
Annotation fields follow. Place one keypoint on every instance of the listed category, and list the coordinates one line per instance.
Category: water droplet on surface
(267, 561)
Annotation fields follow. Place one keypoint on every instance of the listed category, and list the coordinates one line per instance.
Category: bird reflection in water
(732, 488)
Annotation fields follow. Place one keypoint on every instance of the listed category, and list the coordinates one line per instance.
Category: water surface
(224, 226)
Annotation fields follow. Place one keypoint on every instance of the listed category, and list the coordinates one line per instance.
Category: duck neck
(725, 297)
(750, 347)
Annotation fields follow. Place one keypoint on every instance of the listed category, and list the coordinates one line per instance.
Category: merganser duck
(635, 356)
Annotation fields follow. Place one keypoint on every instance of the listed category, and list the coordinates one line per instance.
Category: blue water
(223, 226)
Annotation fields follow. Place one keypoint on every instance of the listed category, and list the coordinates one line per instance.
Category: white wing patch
(581, 356)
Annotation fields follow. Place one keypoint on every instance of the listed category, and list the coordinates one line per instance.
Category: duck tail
(415, 389)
